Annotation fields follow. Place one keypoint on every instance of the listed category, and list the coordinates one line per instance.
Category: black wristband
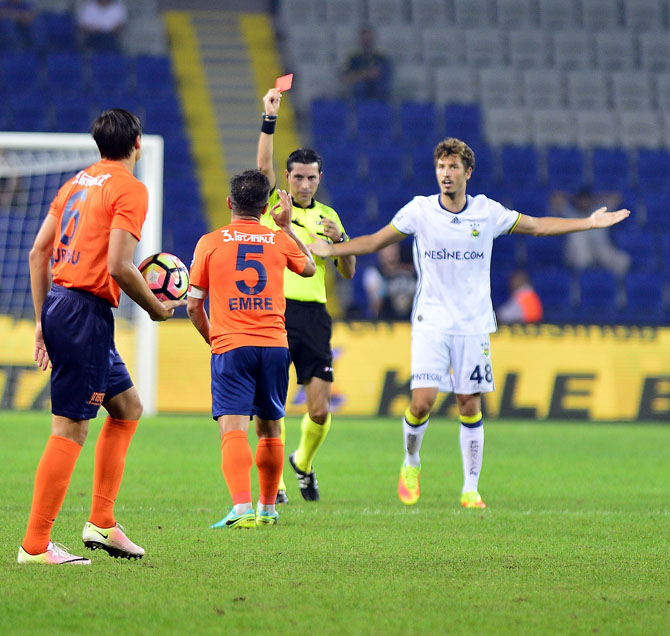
(269, 124)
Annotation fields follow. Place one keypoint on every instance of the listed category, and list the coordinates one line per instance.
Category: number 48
(477, 374)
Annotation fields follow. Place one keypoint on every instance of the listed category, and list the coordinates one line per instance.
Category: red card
(284, 82)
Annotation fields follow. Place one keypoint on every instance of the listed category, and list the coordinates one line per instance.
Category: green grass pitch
(574, 541)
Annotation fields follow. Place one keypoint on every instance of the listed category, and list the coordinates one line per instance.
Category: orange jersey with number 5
(242, 267)
(103, 197)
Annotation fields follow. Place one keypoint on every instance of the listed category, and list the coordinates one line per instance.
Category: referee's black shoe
(309, 488)
(282, 497)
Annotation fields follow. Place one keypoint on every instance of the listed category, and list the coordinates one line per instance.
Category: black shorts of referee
(309, 328)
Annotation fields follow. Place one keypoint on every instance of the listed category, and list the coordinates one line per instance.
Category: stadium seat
(528, 49)
(643, 15)
(611, 169)
(545, 251)
(316, 82)
(508, 254)
(374, 122)
(532, 199)
(597, 128)
(507, 126)
(513, 14)
(65, 73)
(644, 299)
(55, 31)
(519, 166)
(72, 113)
(390, 199)
(304, 12)
(383, 12)
(662, 92)
(313, 43)
(30, 113)
(463, 121)
(653, 168)
(455, 86)
(22, 71)
(10, 38)
(145, 35)
(553, 127)
(351, 204)
(600, 15)
(631, 91)
(640, 129)
(544, 88)
(153, 75)
(343, 12)
(656, 210)
(337, 115)
(470, 14)
(554, 286)
(109, 73)
(402, 42)
(587, 90)
(557, 15)
(163, 116)
(417, 123)
(484, 47)
(499, 87)
(615, 51)
(655, 52)
(565, 168)
(341, 163)
(425, 12)
(484, 174)
(572, 50)
(598, 296)
(441, 45)
(642, 247)
(423, 168)
(386, 166)
(412, 81)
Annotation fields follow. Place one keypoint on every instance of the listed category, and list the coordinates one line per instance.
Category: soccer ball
(166, 276)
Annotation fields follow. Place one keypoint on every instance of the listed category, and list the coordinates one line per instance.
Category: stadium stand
(551, 95)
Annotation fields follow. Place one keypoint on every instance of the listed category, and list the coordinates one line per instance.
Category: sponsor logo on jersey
(84, 179)
(453, 255)
(456, 220)
(242, 237)
(433, 377)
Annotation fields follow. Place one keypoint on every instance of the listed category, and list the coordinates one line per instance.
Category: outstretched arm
(366, 244)
(552, 225)
(271, 102)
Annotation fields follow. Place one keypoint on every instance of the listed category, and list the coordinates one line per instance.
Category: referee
(308, 323)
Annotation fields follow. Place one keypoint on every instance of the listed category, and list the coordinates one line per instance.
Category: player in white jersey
(453, 314)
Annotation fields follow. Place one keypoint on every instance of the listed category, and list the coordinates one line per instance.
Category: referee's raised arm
(264, 163)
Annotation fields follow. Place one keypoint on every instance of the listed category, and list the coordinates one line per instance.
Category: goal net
(33, 166)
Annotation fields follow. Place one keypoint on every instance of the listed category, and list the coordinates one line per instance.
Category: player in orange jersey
(90, 233)
(241, 268)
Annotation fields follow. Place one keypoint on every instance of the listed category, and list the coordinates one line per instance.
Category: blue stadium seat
(22, 71)
(554, 287)
(519, 165)
(423, 169)
(163, 116)
(390, 199)
(531, 199)
(643, 247)
(72, 113)
(463, 121)
(10, 38)
(386, 166)
(598, 296)
(644, 299)
(153, 75)
(351, 204)
(110, 73)
(374, 122)
(340, 163)
(330, 115)
(611, 169)
(483, 176)
(30, 113)
(565, 168)
(653, 168)
(417, 123)
(656, 208)
(65, 73)
(544, 251)
(55, 32)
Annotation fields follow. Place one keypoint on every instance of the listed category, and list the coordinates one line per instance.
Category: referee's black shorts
(309, 328)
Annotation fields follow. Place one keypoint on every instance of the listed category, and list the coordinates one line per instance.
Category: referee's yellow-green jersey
(305, 220)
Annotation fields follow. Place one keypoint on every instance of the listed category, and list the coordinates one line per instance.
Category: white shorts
(458, 364)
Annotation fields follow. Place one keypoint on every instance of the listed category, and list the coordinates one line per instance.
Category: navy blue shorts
(250, 381)
(78, 330)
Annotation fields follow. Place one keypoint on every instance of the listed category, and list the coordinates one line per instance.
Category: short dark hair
(115, 132)
(453, 146)
(303, 155)
(249, 192)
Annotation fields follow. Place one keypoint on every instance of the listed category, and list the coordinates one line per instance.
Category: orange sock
(236, 463)
(110, 460)
(52, 479)
(270, 464)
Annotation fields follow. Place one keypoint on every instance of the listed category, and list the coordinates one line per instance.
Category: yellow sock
(282, 484)
(312, 437)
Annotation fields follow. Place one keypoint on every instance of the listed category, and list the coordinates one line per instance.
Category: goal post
(32, 168)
